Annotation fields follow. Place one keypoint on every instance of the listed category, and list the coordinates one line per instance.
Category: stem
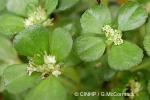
(109, 44)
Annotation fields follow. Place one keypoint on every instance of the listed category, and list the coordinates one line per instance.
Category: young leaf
(147, 44)
(50, 6)
(60, 44)
(95, 18)
(89, 48)
(20, 7)
(131, 16)
(125, 56)
(65, 4)
(33, 40)
(49, 88)
(17, 80)
(11, 24)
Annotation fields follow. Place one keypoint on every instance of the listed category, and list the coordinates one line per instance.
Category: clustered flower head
(37, 17)
(135, 87)
(113, 35)
(49, 67)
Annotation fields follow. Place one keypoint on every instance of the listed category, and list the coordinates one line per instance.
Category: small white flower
(106, 27)
(113, 35)
(48, 22)
(135, 87)
(118, 38)
(108, 31)
(41, 68)
(50, 66)
(37, 17)
(30, 69)
(118, 41)
(49, 59)
(57, 67)
(56, 73)
(28, 22)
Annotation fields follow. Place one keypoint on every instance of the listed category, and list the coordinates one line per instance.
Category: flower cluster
(39, 16)
(48, 67)
(134, 87)
(113, 35)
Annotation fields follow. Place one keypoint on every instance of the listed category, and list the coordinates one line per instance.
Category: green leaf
(61, 43)
(21, 7)
(33, 40)
(2, 68)
(50, 6)
(17, 80)
(11, 24)
(9, 96)
(2, 4)
(148, 27)
(95, 18)
(148, 86)
(125, 56)
(89, 48)
(7, 51)
(49, 88)
(131, 16)
(65, 4)
(147, 44)
(2, 87)
(146, 41)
